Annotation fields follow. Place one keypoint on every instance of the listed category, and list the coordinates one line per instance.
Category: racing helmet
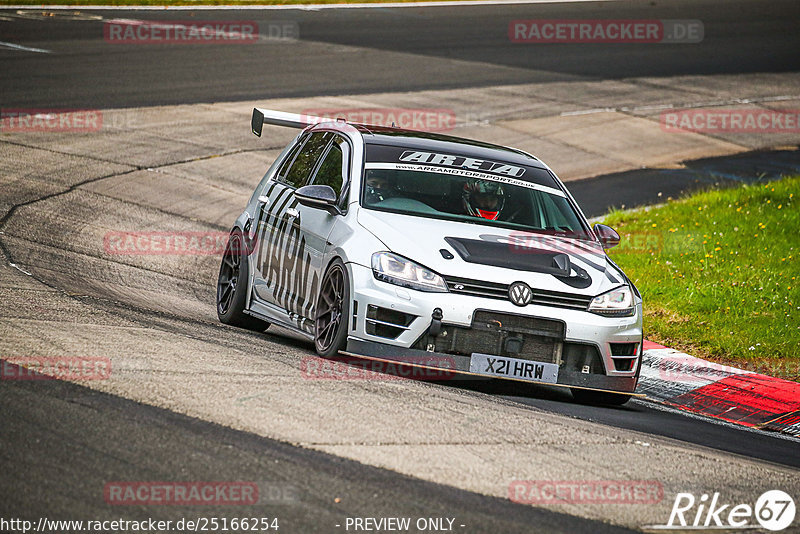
(379, 185)
(482, 198)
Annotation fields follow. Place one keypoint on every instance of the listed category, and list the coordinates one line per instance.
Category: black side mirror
(608, 237)
(318, 196)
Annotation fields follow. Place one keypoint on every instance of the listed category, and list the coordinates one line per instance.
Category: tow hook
(436, 322)
(435, 328)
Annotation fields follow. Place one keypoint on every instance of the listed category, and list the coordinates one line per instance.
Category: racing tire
(587, 396)
(333, 309)
(232, 286)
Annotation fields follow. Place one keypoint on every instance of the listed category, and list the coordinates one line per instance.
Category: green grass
(719, 273)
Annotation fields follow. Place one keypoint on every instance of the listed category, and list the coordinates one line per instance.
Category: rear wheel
(232, 286)
(333, 305)
(587, 396)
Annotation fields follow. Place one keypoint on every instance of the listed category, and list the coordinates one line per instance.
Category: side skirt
(276, 316)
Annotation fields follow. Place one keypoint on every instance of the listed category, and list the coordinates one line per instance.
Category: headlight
(615, 303)
(397, 270)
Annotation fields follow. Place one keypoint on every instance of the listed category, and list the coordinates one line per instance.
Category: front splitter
(460, 365)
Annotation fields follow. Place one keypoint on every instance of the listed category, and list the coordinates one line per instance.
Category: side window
(306, 159)
(284, 159)
(287, 163)
(332, 171)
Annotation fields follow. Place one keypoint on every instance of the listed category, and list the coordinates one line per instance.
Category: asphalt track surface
(61, 441)
(646, 417)
(653, 186)
(357, 51)
(88, 435)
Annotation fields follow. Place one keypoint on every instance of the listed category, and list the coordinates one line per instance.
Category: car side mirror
(318, 196)
(608, 237)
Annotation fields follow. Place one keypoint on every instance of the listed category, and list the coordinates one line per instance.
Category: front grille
(492, 290)
(502, 334)
(509, 322)
(476, 288)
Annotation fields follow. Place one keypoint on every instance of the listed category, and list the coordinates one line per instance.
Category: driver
(379, 186)
(482, 198)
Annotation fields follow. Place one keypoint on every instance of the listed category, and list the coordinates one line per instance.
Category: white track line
(307, 7)
(20, 269)
(25, 48)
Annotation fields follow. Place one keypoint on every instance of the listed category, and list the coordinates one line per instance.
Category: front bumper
(459, 364)
(396, 324)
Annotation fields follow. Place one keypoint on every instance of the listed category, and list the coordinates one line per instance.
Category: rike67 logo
(774, 510)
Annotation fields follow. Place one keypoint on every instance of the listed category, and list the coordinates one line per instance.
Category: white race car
(435, 252)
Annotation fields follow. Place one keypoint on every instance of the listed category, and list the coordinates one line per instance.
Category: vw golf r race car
(435, 252)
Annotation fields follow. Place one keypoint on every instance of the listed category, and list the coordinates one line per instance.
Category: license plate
(486, 364)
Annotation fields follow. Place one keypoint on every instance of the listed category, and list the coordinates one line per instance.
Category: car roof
(397, 137)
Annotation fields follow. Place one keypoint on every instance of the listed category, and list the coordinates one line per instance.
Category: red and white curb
(734, 395)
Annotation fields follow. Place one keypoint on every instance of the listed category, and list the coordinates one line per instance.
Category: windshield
(457, 194)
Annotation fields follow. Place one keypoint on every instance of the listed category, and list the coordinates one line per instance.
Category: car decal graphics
(521, 241)
(582, 278)
(284, 261)
(462, 162)
(548, 241)
(467, 173)
(593, 250)
(580, 257)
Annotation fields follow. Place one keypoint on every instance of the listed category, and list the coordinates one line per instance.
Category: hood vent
(502, 255)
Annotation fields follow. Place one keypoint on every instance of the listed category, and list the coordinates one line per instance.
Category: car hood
(491, 254)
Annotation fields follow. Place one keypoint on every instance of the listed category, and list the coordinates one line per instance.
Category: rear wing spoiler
(281, 118)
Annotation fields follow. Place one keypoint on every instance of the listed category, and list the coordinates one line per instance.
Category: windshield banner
(467, 173)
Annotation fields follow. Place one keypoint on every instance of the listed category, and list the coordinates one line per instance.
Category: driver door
(309, 246)
(278, 228)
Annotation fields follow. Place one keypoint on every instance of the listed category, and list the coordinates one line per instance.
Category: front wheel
(232, 286)
(333, 305)
(587, 396)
